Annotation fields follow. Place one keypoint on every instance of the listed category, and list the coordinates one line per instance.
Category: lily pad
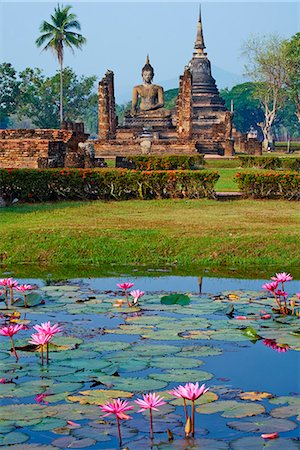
(263, 425)
(181, 375)
(257, 443)
(97, 396)
(73, 442)
(169, 362)
(255, 395)
(175, 299)
(14, 437)
(231, 408)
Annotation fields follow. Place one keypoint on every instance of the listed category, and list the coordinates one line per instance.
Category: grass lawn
(160, 232)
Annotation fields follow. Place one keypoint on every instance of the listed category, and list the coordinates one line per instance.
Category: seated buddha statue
(151, 97)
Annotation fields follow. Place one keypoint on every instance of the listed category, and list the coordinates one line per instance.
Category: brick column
(184, 106)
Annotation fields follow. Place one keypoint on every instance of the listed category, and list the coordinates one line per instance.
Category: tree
(267, 67)
(59, 34)
(247, 109)
(291, 51)
(9, 92)
(39, 97)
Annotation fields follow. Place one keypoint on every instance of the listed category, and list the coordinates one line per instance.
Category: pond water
(218, 338)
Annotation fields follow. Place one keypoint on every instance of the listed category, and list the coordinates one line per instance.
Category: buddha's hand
(133, 112)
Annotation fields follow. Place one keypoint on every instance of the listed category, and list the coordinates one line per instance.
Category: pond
(223, 332)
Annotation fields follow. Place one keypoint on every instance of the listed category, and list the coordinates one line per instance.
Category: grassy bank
(167, 232)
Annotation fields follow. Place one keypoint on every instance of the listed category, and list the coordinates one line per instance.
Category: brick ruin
(43, 148)
(201, 123)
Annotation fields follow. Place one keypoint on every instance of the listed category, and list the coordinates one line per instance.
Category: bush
(175, 162)
(260, 162)
(284, 185)
(270, 162)
(85, 184)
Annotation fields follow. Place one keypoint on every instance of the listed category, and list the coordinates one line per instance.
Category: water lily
(11, 284)
(150, 401)
(24, 288)
(136, 295)
(40, 339)
(125, 286)
(280, 348)
(49, 330)
(118, 408)
(40, 398)
(10, 331)
(282, 277)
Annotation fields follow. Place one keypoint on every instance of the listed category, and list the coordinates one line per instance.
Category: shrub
(85, 184)
(270, 162)
(175, 162)
(284, 185)
(260, 162)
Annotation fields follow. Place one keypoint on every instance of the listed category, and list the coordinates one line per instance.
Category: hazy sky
(120, 34)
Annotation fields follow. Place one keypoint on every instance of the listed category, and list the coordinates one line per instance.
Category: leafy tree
(9, 92)
(267, 67)
(291, 51)
(247, 109)
(59, 34)
(39, 98)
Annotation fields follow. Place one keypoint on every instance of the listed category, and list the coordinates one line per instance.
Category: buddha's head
(147, 71)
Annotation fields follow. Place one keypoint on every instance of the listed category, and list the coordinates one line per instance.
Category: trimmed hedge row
(270, 162)
(33, 185)
(284, 185)
(173, 162)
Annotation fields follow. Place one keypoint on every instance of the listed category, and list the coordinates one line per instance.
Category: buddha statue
(151, 96)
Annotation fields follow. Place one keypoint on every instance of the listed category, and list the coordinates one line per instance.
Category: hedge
(35, 185)
(172, 162)
(283, 185)
(270, 162)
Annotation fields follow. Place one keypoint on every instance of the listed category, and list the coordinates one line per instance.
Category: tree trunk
(61, 91)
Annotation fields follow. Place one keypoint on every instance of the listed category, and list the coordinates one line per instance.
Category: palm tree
(57, 35)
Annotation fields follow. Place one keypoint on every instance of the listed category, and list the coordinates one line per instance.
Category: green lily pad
(106, 346)
(193, 444)
(263, 425)
(48, 423)
(155, 350)
(198, 351)
(136, 384)
(180, 375)
(73, 442)
(14, 437)
(169, 362)
(286, 411)
(285, 399)
(175, 299)
(98, 396)
(257, 443)
(232, 409)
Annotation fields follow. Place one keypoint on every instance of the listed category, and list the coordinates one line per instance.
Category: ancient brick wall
(107, 122)
(40, 147)
(184, 106)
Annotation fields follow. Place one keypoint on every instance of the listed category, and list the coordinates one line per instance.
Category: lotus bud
(188, 426)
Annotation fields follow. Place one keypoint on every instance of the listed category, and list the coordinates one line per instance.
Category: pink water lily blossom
(282, 277)
(125, 286)
(136, 295)
(118, 408)
(11, 283)
(271, 287)
(40, 398)
(10, 330)
(281, 293)
(150, 401)
(47, 328)
(40, 338)
(280, 348)
(24, 287)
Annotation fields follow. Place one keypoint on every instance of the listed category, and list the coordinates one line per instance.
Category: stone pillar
(228, 147)
(106, 107)
(184, 106)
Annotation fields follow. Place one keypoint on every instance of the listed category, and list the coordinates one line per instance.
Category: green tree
(59, 34)
(9, 92)
(39, 98)
(291, 49)
(247, 109)
(266, 66)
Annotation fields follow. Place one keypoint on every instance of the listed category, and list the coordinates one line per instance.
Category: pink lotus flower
(136, 295)
(24, 287)
(40, 398)
(3, 282)
(281, 293)
(9, 331)
(40, 338)
(151, 402)
(271, 287)
(11, 283)
(47, 328)
(3, 381)
(118, 408)
(191, 392)
(282, 277)
(125, 286)
(298, 295)
(280, 348)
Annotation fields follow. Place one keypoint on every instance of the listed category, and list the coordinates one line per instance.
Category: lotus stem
(193, 418)
(119, 431)
(151, 424)
(42, 355)
(185, 409)
(11, 293)
(47, 353)
(6, 297)
(14, 349)
(25, 303)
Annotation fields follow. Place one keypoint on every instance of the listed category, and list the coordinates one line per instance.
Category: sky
(120, 34)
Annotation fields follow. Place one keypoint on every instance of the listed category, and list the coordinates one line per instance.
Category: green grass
(160, 233)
